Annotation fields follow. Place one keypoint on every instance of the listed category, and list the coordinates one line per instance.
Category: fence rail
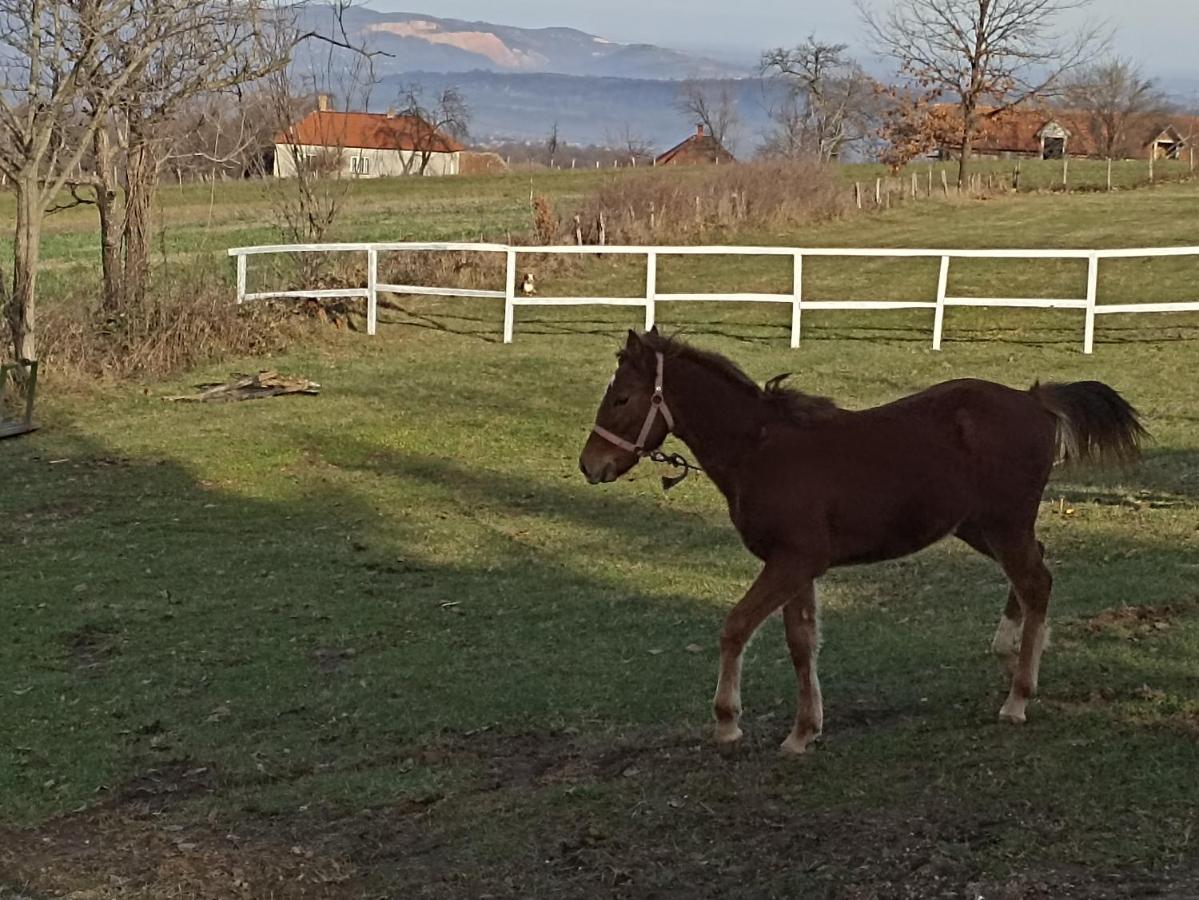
(795, 298)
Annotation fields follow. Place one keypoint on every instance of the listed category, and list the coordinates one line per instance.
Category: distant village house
(365, 145)
(699, 149)
(1041, 134)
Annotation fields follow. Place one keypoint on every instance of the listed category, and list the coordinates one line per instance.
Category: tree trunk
(140, 182)
(107, 206)
(26, 245)
(969, 109)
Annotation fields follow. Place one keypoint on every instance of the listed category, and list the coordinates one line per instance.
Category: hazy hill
(426, 43)
(588, 110)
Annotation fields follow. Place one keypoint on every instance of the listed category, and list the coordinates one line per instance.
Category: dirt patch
(331, 660)
(90, 647)
(677, 822)
(128, 853)
(1134, 621)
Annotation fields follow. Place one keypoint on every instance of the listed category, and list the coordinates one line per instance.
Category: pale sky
(1162, 34)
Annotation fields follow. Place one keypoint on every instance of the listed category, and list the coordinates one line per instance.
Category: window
(360, 165)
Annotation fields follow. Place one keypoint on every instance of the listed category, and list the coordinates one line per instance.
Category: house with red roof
(699, 149)
(365, 145)
(1052, 134)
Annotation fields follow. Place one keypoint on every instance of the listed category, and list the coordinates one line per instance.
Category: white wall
(379, 163)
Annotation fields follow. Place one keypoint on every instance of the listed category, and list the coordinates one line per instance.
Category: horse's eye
(620, 401)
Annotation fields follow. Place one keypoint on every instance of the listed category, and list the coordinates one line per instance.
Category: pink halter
(657, 405)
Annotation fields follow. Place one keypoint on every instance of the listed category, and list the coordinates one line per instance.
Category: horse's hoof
(1012, 716)
(798, 745)
(728, 739)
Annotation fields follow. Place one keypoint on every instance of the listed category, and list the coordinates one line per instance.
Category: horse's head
(632, 419)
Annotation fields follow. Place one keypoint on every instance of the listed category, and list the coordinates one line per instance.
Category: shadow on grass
(401, 661)
(1036, 334)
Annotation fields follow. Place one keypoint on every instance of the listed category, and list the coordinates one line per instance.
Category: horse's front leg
(802, 621)
(774, 586)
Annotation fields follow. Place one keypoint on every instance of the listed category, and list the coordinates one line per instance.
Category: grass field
(387, 643)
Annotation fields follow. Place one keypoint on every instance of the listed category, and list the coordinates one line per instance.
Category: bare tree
(1116, 97)
(447, 115)
(200, 50)
(988, 55)
(829, 101)
(551, 145)
(50, 54)
(633, 145)
(712, 106)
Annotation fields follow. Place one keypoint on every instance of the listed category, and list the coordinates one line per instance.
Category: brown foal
(810, 486)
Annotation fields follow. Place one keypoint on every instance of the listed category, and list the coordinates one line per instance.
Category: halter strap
(657, 405)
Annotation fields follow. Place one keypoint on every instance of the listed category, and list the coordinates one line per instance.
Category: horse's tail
(1094, 423)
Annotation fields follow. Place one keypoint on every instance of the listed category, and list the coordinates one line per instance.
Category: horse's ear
(633, 343)
(653, 330)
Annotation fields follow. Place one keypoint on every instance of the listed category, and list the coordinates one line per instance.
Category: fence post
(796, 298)
(1088, 340)
(241, 278)
(651, 287)
(509, 296)
(939, 317)
(372, 295)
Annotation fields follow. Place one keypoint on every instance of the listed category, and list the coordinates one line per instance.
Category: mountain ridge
(415, 41)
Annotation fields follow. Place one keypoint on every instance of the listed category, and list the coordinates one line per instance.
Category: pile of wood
(266, 383)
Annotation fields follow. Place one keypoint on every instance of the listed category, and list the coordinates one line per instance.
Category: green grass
(391, 627)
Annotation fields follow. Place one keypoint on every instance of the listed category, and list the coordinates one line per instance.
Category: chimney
(699, 130)
(324, 102)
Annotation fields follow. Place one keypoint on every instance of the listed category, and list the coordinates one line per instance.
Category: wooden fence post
(1066, 171)
(1088, 341)
(878, 192)
(796, 298)
(945, 182)
(509, 296)
(1109, 174)
(372, 292)
(939, 315)
(651, 287)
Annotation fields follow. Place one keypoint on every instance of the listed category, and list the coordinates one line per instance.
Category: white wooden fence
(795, 298)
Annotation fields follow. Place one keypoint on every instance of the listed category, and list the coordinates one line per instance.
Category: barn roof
(700, 147)
(367, 131)
(1020, 130)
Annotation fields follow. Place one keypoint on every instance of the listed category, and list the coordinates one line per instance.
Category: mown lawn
(386, 642)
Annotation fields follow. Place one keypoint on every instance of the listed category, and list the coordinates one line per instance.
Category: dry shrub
(677, 205)
(186, 320)
(423, 268)
(545, 220)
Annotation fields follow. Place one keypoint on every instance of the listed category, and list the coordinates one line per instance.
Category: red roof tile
(367, 131)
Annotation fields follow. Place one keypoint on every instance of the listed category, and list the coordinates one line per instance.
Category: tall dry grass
(680, 207)
(187, 319)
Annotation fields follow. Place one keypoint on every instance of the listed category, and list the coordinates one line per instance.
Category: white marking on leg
(1007, 637)
(728, 696)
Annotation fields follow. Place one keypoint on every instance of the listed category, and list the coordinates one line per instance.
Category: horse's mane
(787, 403)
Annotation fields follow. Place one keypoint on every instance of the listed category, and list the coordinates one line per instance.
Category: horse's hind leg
(774, 586)
(803, 640)
(1022, 558)
(1006, 642)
